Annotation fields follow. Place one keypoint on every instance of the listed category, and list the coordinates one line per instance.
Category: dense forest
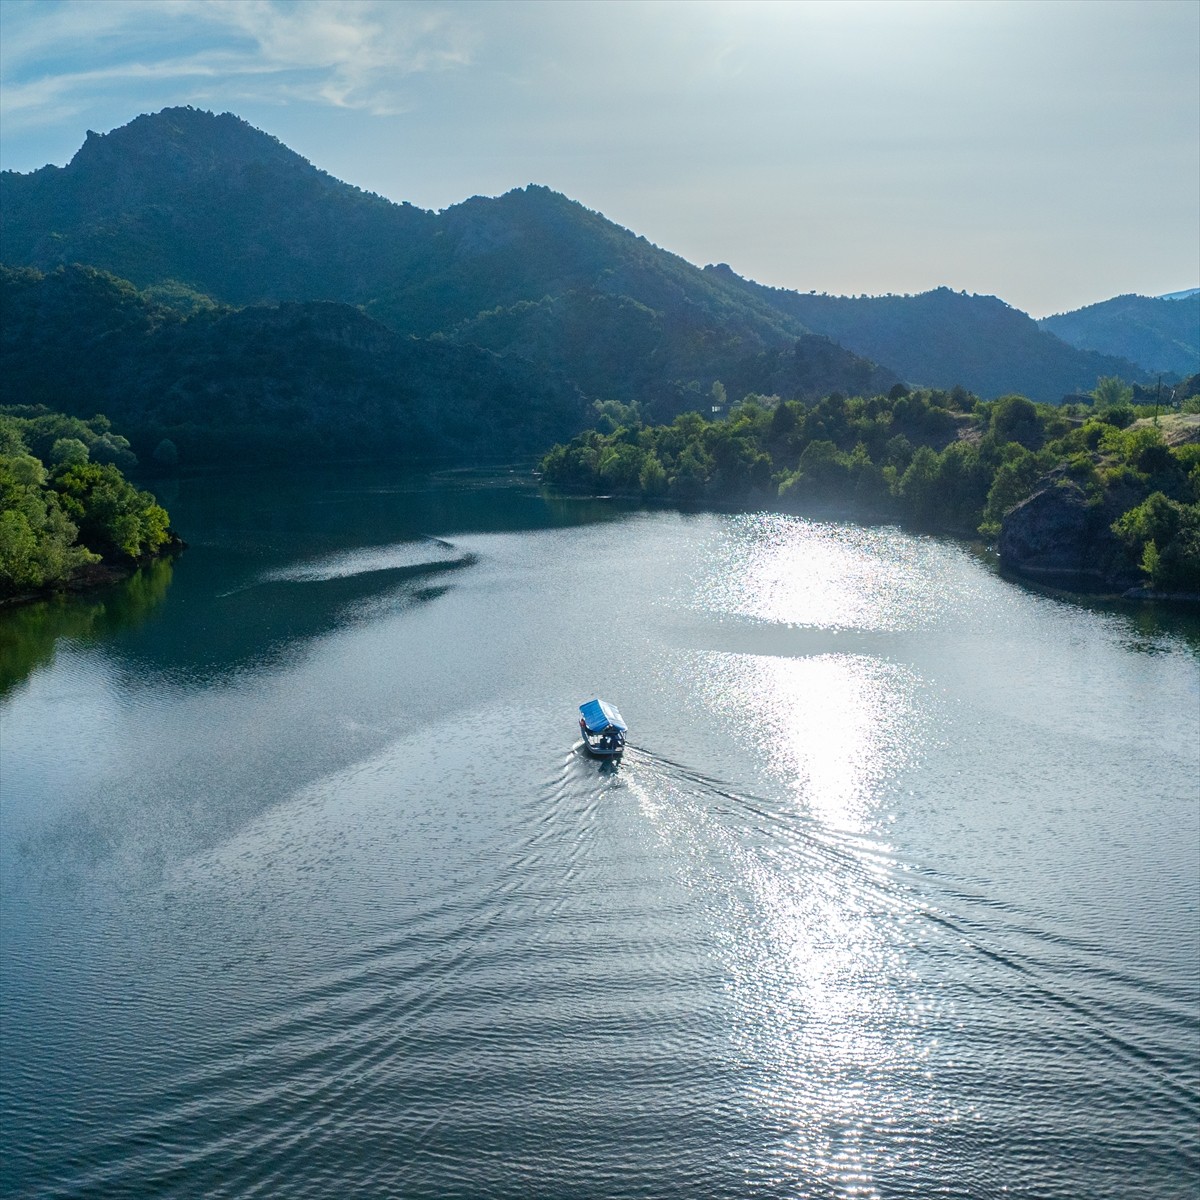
(283, 382)
(65, 504)
(942, 338)
(933, 459)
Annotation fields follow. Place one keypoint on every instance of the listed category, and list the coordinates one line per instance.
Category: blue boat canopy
(598, 715)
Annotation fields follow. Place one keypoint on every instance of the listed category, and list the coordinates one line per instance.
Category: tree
(612, 415)
(692, 474)
(37, 540)
(1132, 446)
(68, 452)
(963, 480)
(653, 476)
(919, 485)
(1163, 535)
(821, 472)
(1012, 483)
(783, 421)
(112, 515)
(1015, 419)
(619, 467)
(1111, 391)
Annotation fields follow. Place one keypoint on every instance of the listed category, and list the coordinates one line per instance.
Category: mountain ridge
(980, 339)
(1159, 333)
(186, 196)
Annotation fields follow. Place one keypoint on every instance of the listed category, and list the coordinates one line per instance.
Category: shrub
(1163, 536)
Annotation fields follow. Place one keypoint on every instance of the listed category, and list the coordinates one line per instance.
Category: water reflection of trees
(30, 634)
(1153, 628)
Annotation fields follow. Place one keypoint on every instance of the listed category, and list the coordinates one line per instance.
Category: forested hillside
(209, 201)
(944, 338)
(184, 202)
(315, 379)
(1158, 335)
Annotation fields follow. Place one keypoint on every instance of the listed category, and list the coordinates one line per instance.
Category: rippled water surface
(306, 888)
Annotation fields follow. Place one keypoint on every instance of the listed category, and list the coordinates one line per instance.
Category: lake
(306, 888)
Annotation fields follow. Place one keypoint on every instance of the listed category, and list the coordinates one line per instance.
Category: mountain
(211, 202)
(184, 202)
(266, 381)
(942, 338)
(1158, 333)
(537, 274)
(185, 197)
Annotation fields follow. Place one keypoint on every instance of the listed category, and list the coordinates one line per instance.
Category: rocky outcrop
(1060, 536)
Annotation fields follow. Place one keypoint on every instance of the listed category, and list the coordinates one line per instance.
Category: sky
(1043, 151)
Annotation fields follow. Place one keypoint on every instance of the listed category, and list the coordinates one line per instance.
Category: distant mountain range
(1160, 334)
(208, 215)
(942, 337)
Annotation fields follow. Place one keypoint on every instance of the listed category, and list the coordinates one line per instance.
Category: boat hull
(598, 752)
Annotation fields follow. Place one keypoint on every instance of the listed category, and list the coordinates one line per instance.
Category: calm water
(306, 889)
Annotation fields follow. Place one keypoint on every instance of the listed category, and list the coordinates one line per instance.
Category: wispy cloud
(54, 59)
(1044, 152)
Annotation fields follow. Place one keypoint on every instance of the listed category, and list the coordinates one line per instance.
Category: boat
(602, 728)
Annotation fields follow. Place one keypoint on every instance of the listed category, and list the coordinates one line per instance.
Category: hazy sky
(1045, 151)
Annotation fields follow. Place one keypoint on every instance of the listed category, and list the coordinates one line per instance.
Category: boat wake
(429, 553)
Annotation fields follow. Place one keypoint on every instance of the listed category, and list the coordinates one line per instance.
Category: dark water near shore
(306, 889)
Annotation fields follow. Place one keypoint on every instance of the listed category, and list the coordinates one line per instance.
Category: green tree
(963, 480)
(619, 467)
(1013, 482)
(918, 487)
(112, 515)
(1163, 536)
(37, 539)
(822, 472)
(1015, 419)
(1131, 446)
(692, 473)
(652, 478)
(1111, 391)
(68, 452)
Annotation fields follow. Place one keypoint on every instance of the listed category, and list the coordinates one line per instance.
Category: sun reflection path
(842, 1050)
(817, 923)
(831, 1021)
(832, 728)
(798, 572)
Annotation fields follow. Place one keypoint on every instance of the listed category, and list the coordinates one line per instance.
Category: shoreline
(1088, 584)
(93, 577)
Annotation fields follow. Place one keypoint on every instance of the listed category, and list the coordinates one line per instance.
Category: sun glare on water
(830, 727)
(817, 923)
(832, 724)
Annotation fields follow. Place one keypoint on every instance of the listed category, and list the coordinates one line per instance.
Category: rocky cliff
(1063, 537)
